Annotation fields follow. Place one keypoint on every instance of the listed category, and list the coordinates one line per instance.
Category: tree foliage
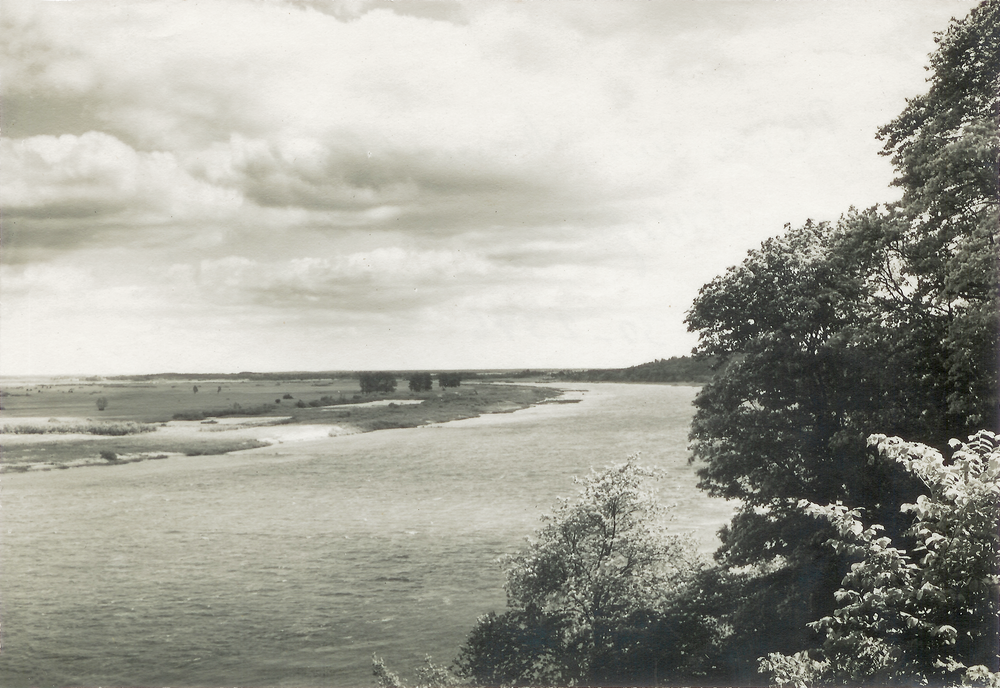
(846, 562)
(927, 612)
(585, 590)
(420, 382)
(429, 675)
(377, 382)
(945, 147)
(885, 321)
(449, 379)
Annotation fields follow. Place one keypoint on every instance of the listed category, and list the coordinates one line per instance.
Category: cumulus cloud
(572, 172)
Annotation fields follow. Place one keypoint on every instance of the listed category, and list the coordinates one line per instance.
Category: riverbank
(229, 432)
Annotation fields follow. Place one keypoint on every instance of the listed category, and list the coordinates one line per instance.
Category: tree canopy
(420, 382)
(883, 322)
(601, 564)
(377, 382)
(928, 614)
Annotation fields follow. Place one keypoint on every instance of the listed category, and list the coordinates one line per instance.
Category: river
(290, 565)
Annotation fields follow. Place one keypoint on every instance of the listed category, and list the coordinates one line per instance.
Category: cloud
(65, 192)
(546, 180)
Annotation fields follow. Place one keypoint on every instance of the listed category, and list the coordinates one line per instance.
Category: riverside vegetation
(155, 418)
(854, 418)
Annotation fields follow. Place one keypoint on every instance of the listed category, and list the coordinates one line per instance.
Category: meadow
(67, 423)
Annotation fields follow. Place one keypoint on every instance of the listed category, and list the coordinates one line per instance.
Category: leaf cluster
(586, 597)
(920, 613)
(883, 322)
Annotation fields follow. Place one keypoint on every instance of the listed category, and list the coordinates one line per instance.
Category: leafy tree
(945, 147)
(377, 382)
(926, 613)
(883, 322)
(421, 382)
(580, 594)
(102, 403)
(449, 379)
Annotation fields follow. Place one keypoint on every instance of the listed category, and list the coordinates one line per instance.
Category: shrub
(102, 403)
(579, 596)
(109, 455)
(909, 615)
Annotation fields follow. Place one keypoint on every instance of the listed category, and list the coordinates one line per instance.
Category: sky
(273, 185)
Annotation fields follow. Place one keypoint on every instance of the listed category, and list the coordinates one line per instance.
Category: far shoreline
(218, 435)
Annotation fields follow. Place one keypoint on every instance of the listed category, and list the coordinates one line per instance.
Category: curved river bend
(291, 565)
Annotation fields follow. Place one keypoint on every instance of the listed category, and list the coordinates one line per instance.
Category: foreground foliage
(884, 322)
(923, 613)
(585, 595)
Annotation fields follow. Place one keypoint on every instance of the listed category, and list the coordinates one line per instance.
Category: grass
(127, 437)
(109, 428)
(17, 458)
(157, 402)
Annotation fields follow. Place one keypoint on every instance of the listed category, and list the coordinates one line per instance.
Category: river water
(290, 565)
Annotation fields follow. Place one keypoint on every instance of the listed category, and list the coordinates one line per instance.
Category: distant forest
(674, 369)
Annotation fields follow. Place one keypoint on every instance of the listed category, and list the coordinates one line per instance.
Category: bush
(579, 597)
(102, 403)
(909, 615)
(109, 455)
(235, 410)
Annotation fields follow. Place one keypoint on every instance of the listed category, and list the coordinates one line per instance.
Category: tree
(945, 147)
(925, 613)
(885, 321)
(599, 567)
(377, 382)
(449, 379)
(421, 382)
(102, 403)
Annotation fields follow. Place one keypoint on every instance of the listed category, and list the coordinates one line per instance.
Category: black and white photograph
(481, 343)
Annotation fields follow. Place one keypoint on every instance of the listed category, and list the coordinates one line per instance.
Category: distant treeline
(291, 375)
(674, 369)
(274, 377)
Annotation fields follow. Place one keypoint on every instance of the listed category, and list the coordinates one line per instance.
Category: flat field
(211, 417)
